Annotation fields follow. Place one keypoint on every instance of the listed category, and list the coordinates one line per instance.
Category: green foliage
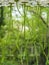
(25, 42)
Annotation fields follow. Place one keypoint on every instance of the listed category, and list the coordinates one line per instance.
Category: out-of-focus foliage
(25, 41)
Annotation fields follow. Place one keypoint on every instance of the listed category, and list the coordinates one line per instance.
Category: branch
(40, 18)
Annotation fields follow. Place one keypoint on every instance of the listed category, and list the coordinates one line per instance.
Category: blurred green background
(24, 35)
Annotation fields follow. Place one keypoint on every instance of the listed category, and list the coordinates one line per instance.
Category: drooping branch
(40, 18)
(44, 22)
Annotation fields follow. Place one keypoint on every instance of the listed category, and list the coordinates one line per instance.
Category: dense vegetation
(24, 41)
